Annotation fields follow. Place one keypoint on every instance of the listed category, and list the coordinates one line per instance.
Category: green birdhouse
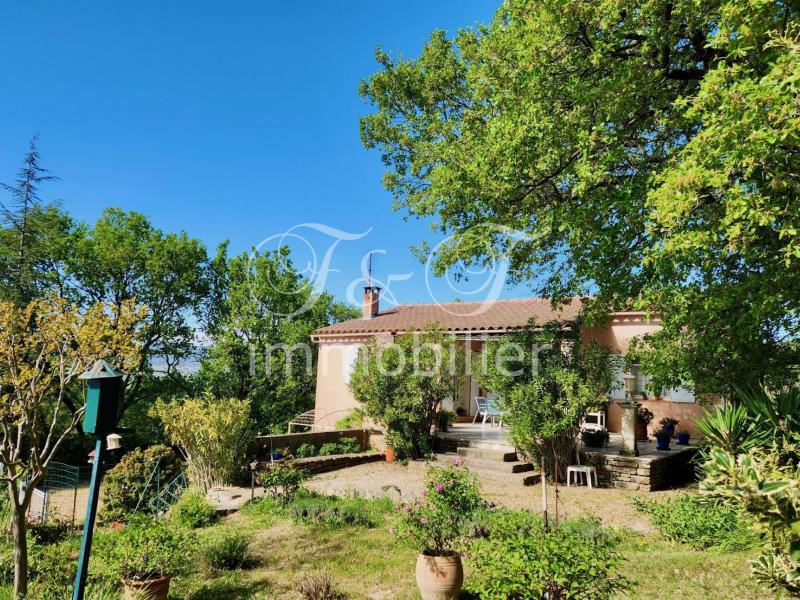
(103, 390)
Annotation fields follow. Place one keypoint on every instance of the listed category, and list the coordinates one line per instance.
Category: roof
(498, 315)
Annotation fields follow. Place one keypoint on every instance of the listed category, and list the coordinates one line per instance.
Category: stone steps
(496, 466)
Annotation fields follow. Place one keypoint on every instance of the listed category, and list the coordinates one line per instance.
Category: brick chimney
(371, 307)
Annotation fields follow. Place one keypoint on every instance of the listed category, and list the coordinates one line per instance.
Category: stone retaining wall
(646, 473)
(260, 448)
(323, 464)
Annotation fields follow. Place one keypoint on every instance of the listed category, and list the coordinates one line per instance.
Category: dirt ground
(398, 481)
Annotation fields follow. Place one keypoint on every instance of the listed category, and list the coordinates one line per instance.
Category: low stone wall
(646, 473)
(323, 464)
(262, 445)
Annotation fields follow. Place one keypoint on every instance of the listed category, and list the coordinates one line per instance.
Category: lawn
(369, 564)
(352, 540)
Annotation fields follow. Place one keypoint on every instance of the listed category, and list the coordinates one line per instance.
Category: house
(475, 322)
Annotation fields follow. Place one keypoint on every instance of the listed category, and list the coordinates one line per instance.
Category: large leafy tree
(259, 318)
(642, 151)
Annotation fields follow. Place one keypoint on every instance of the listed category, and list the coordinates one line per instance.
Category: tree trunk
(20, 551)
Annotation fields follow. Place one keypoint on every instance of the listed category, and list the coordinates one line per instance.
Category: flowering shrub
(436, 522)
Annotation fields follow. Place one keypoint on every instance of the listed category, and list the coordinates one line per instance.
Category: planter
(389, 452)
(670, 429)
(641, 432)
(277, 455)
(662, 443)
(683, 439)
(147, 589)
(439, 577)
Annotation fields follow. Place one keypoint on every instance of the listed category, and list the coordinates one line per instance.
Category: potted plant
(594, 438)
(662, 440)
(683, 437)
(436, 523)
(145, 555)
(668, 425)
(643, 418)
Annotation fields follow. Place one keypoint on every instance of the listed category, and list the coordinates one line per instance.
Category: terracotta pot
(147, 589)
(389, 452)
(439, 577)
(641, 432)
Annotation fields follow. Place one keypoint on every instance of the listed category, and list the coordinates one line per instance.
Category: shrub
(228, 552)
(436, 522)
(305, 450)
(212, 434)
(644, 415)
(349, 445)
(52, 531)
(193, 510)
(698, 522)
(330, 511)
(594, 438)
(319, 587)
(516, 557)
(329, 449)
(386, 381)
(147, 548)
(281, 481)
(353, 420)
(130, 480)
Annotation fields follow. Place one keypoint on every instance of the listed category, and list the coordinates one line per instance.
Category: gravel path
(397, 481)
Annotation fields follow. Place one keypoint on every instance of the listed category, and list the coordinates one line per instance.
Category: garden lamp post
(104, 386)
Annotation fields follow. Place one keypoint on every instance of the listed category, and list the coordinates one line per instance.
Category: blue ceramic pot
(683, 439)
(662, 444)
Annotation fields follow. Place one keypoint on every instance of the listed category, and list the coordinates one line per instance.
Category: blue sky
(234, 120)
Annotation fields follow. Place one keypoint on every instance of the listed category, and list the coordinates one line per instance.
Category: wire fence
(63, 494)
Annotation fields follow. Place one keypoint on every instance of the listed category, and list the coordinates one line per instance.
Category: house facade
(474, 323)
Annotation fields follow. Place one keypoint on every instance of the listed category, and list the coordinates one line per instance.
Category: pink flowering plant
(435, 523)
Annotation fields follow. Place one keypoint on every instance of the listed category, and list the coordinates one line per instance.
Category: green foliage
(330, 511)
(212, 434)
(228, 552)
(401, 385)
(514, 556)
(329, 449)
(627, 152)
(147, 548)
(644, 415)
(305, 450)
(282, 481)
(436, 523)
(698, 522)
(594, 438)
(124, 484)
(261, 303)
(547, 381)
(769, 492)
(55, 529)
(353, 420)
(349, 445)
(730, 428)
(193, 510)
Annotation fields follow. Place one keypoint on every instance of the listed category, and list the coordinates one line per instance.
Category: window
(680, 394)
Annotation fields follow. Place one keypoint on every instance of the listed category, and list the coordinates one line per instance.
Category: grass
(367, 562)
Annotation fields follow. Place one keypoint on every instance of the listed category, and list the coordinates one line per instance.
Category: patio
(652, 470)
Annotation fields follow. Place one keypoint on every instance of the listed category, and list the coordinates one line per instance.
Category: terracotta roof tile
(459, 316)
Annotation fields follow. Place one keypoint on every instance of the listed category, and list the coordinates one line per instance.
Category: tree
(641, 153)
(402, 385)
(124, 258)
(34, 237)
(547, 380)
(260, 324)
(44, 346)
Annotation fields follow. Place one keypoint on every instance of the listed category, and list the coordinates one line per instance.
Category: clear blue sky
(229, 120)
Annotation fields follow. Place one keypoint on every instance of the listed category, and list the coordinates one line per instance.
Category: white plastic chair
(594, 421)
(575, 472)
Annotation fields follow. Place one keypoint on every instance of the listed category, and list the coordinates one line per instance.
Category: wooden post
(544, 493)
